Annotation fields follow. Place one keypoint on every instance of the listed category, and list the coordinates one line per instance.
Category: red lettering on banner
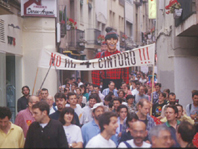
(58, 61)
(148, 55)
(144, 55)
(52, 59)
(140, 56)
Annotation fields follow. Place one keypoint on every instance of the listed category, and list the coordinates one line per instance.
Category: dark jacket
(51, 136)
(22, 103)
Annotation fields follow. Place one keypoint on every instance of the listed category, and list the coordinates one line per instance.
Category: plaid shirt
(150, 123)
(119, 73)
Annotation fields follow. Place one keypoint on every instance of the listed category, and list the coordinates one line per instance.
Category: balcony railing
(92, 35)
(76, 39)
(187, 10)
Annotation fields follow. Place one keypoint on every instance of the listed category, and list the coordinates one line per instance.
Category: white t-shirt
(51, 110)
(131, 142)
(87, 114)
(73, 134)
(99, 142)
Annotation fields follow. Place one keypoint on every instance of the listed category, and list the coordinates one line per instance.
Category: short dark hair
(129, 96)
(130, 117)
(173, 107)
(108, 97)
(75, 84)
(163, 94)
(178, 105)
(94, 96)
(71, 78)
(111, 82)
(104, 119)
(94, 85)
(187, 131)
(59, 95)
(158, 84)
(42, 106)
(70, 94)
(83, 86)
(121, 107)
(5, 111)
(66, 110)
(195, 93)
(117, 99)
(172, 94)
(44, 89)
(167, 90)
(121, 90)
(25, 87)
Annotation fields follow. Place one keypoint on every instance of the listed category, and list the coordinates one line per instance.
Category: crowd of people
(118, 109)
(84, 115)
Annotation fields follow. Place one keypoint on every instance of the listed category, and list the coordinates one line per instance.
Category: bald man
(138, 132)
(50, 101)
(25, 117)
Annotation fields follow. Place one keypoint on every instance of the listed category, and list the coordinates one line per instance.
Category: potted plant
(124, 37)
(100, 38)
(175, 8)
(71, 24)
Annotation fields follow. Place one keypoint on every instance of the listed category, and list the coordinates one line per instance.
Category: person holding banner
(116, 75)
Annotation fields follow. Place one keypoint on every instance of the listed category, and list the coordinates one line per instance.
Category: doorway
(10, 85)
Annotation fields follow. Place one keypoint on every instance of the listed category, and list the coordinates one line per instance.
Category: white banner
(137, 57)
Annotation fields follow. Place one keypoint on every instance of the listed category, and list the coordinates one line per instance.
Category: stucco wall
(38, 33)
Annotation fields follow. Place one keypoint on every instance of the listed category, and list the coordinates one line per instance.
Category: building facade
(177, 49)
(22, 39)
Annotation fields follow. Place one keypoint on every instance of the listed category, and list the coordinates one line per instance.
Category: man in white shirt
(50, 101)
(87, 113)
(108, 125)
(138, 132)
(72, 99)
(79, 82)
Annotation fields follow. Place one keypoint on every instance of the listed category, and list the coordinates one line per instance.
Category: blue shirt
(106, 92)
(155, 97)
(91, 129)
(173, 132)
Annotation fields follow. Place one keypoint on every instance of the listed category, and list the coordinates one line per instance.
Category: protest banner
(137, 57)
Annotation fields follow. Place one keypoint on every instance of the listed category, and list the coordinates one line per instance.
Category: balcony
(138, 2)
(127, 43)
(187, 24)
(75, 39)
(92, 35)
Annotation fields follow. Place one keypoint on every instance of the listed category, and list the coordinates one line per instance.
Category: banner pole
(35, 80)
(152, 90)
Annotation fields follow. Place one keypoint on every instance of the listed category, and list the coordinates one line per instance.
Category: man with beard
(108, 125)
(91, 129)
(116, 75)
(138, 132)
(60, 100)
(22, 102)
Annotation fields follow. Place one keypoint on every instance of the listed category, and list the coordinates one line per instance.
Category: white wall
(185, 78)
(38, 33)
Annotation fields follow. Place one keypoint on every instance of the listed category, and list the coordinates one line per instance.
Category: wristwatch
(70, 145)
